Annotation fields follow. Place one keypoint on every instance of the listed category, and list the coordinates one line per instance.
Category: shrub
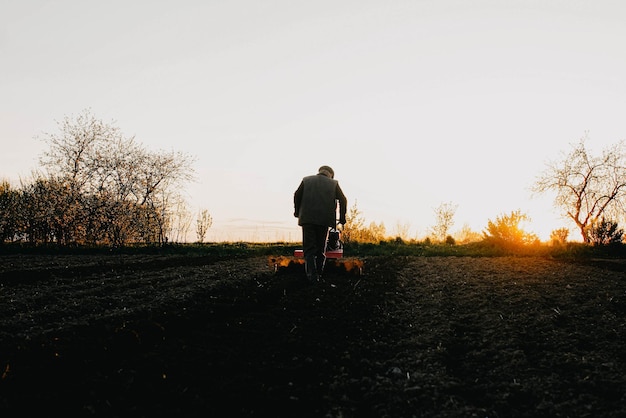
(604, 232)
(507, 232)
(559, 236)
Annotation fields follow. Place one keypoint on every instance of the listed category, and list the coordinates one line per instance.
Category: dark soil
(192, 336)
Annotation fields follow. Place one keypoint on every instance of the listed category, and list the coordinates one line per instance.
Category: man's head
(327, 171)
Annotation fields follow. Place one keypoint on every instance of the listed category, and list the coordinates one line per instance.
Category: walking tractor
(335, 259)
(334, 246)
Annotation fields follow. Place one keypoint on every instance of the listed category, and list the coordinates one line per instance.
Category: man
(315, 204)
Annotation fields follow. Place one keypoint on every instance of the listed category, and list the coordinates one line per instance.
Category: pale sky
(413, 103)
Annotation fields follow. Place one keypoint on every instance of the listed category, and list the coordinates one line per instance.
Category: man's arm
(343, 204)
(297, 199)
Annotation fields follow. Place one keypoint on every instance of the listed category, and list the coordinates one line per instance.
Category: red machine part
(329, 254)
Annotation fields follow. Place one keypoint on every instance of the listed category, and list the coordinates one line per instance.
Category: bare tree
(124, 191)
(159, 177)
(375, 232)
(354, 224)
(559, 236)
(402, 230)
(466, 235)
(203, 223)
(181, 221)
(355, 229)
(77, 148)
(587, 187)
(444, 214)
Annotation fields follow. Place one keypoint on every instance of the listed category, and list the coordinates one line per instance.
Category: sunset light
(413, 103)
(290, 208)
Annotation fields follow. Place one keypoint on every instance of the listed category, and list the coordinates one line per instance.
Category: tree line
(95, 187)
(589, 190)
(98, 187)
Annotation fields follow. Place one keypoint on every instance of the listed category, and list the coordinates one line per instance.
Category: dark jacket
(315, 201)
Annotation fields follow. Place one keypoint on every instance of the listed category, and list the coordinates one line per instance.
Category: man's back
(316, 200)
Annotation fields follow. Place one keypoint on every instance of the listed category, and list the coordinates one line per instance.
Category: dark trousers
(313, 246)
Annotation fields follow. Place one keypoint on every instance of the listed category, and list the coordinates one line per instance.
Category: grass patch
(352, 249)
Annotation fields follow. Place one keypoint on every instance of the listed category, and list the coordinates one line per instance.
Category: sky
(413, 103)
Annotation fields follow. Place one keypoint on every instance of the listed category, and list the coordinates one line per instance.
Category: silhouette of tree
(355, 230)
(559, 236)
(9, 199)
(354, 223)
(444, 217)
(203, 223)
(587, 187)
(101, 187)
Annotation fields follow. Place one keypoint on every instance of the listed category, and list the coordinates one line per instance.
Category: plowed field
(200, 336)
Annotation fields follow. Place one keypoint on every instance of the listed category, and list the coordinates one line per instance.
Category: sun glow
(484, 92)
